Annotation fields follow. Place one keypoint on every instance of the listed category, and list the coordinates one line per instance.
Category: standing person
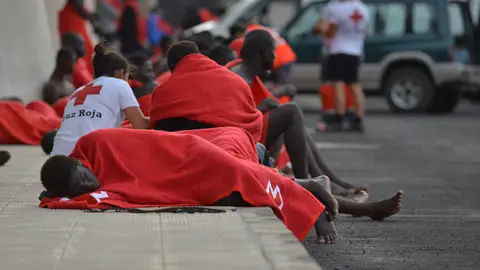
(103, 103)
(73, 18)
(346, 22)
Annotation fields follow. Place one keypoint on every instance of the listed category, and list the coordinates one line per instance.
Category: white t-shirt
(351, 18)
(97, 105)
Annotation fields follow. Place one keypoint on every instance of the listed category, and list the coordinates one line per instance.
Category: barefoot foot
(326, 232)
(388, 207)
(361, 197)
(321, 193)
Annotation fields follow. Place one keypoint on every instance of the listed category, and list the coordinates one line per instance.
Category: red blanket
(60, 105)
(163, 77)
(201, 90)
(26, 125)
(194, 168)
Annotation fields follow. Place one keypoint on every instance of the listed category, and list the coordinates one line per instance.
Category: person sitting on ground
(201, 94)
(223, 160)
(287, 121)
(103, 103)
(59, 84)
(4, 157)
(81, 73)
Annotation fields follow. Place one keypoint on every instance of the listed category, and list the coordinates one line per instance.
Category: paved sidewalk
(34, 238)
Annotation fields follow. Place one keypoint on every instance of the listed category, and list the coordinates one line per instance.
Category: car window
(456, 20)
(387, 20)
(424, 19)
(305, 22)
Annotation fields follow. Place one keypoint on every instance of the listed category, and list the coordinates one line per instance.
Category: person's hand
(267, 105)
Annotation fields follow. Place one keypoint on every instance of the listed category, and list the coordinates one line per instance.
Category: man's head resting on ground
(74, 41)
(178, 51)
(222, 54)
(143, 68)
(66, 177)
(258, 51)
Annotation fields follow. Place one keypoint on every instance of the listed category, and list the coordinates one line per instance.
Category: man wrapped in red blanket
(188, 168)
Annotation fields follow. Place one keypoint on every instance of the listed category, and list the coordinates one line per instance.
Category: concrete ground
(436, 161)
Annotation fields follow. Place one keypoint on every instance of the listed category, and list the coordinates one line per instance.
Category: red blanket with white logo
(26, 125)
(148, 168)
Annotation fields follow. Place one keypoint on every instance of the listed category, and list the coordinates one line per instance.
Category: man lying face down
(104, 170)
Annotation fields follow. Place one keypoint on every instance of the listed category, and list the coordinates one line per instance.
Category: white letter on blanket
(98, 196)
(275, 191)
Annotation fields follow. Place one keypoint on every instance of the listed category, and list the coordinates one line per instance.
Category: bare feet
(315, 187)
(326, 232)
(354, 191)
(361, 197)
(4, 157)
(387, 208)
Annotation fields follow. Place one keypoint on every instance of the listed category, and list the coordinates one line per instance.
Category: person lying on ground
(20, 124)
(59, 84)
(103, 103)
(81, 73)
(105, 171)
(201, 94)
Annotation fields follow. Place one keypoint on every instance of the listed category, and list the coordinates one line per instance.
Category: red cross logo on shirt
(356, 17)
(81, 95)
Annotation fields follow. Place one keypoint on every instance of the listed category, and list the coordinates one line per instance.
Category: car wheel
(445, 100)
(408, 89)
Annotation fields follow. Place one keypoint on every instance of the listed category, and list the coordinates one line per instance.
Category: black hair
(70, 39)
(65, 54)
(106, 61)
(56, 175)
(256, 41)
(165, 43)
(205, 41)
(236, 28)
(222, 54)
(178, 51)
(47, 141)
(138, 59)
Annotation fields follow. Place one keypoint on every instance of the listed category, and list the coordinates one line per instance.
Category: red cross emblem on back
(356, 17)
(81, 95)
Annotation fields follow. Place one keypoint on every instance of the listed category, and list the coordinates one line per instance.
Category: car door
(306, 44)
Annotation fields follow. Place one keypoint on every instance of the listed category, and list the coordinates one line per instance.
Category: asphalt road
(436, 161)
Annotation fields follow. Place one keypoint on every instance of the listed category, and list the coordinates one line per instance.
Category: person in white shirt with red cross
(103, 103)
(345, 23)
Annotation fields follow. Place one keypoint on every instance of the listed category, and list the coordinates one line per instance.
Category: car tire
(445, 100)
(422, 87)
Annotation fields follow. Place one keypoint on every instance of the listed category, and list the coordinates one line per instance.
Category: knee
(293, 111)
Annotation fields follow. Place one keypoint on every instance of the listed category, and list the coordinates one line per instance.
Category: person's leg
(375, 210)
(337, 76)
(357, 91)
(287, 120)
(4, 157)
(324, 228)
(324, 169)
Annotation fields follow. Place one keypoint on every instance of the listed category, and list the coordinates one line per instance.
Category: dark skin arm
(50, 94)
(267, 105)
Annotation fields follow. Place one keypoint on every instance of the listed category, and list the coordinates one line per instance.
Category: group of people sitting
(203, 133)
